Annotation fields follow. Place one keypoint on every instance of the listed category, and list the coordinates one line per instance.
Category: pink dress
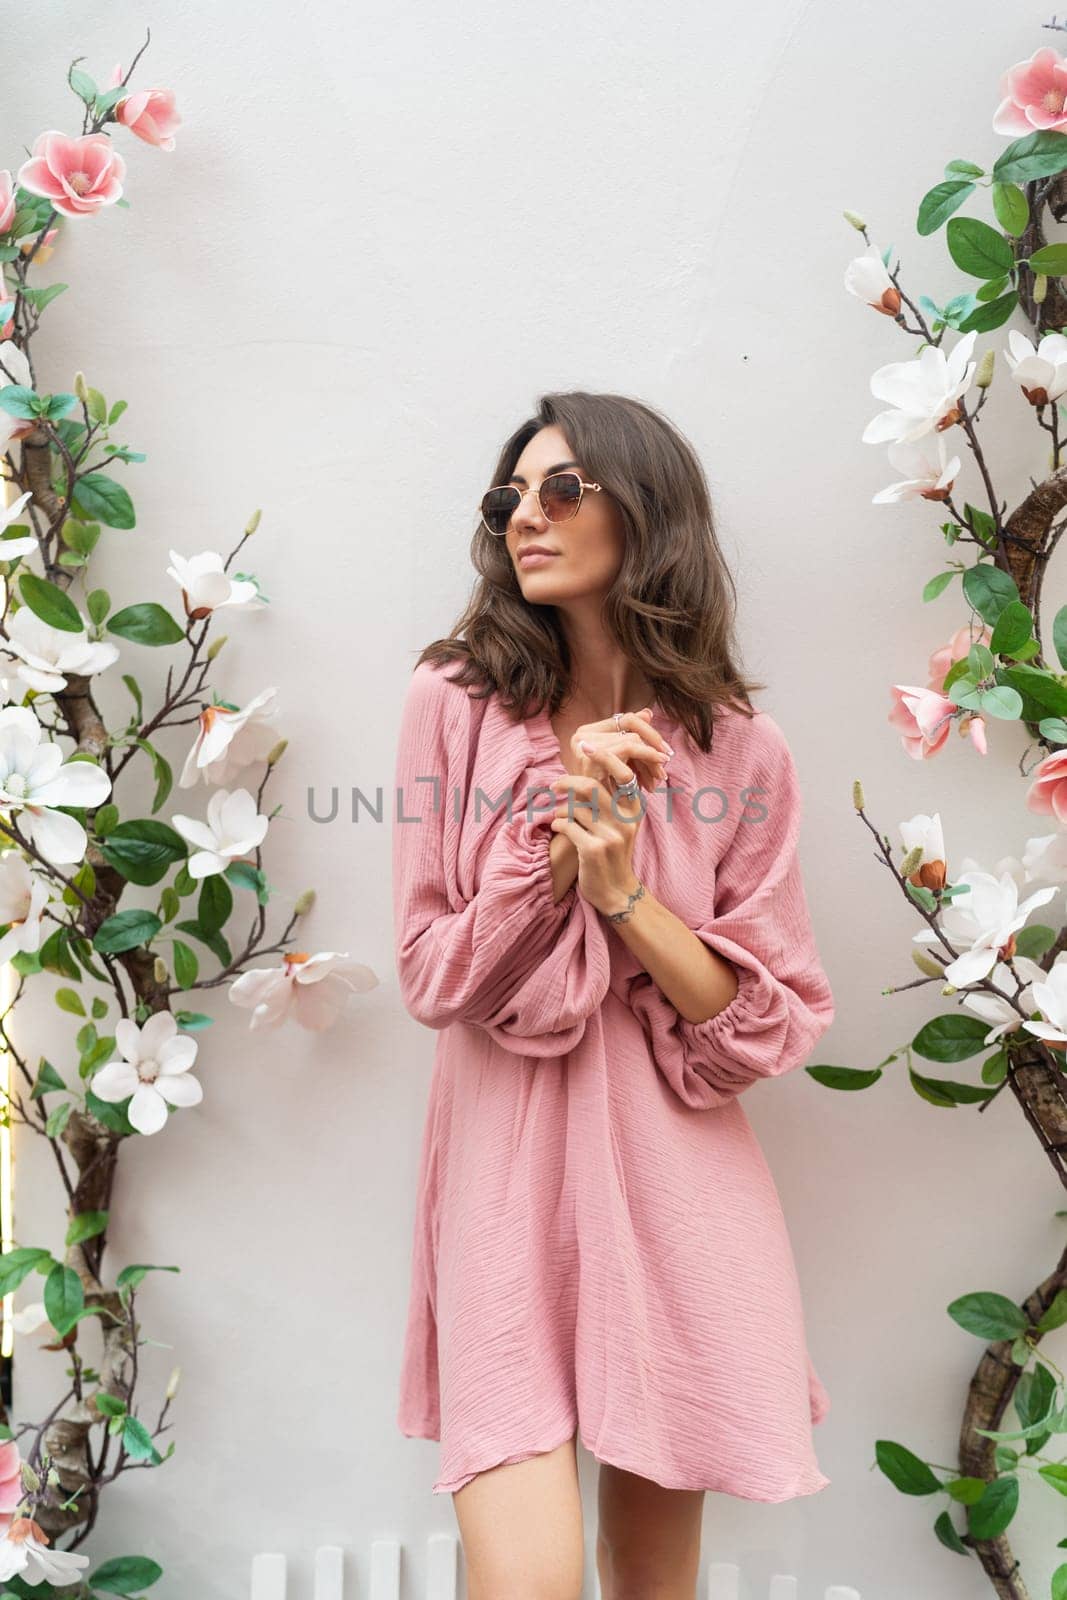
(598, 1239)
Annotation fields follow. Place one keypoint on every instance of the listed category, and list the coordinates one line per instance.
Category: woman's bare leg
(521, 1527)
(648, 1538)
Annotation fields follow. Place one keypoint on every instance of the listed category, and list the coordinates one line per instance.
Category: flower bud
(253, 522)
(81, 388)
(856, 220)
(276, 751)
(304, 903)
(984, 375)
(159, 970)
(30, 1480)
(948, 989)
(926, 964)
(1040, 287)
(172, 1383)
(911, 861)
(216, 645)
(857, 795)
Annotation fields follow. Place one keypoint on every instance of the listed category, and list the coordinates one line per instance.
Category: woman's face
(586, 551)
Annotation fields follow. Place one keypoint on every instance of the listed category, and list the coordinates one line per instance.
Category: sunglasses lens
(560, 496)
(498, 507)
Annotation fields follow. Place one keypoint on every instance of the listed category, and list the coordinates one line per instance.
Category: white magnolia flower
(1042, 373)
(984, 920)
(155, 1070)
(929, 471)
(228, 740)
(30, 1318)
(312, 989)
(21, 544)
(46, 653)
(206, 586)
(926, 832)
(1050, 998)
(923, 393)
(24, 1549)
(22, 900)
(233, 828)
(992, 1009)
(34, 778)
(867, 277)
(1046, 857)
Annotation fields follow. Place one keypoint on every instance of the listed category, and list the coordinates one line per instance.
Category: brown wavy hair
(672, 606)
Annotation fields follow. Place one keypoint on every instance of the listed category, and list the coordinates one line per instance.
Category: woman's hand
(639, 744)
(602, 827)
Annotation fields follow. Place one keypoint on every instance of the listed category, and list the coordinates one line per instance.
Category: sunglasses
(559, 497)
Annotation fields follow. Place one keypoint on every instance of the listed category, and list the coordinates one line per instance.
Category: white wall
(333, 300)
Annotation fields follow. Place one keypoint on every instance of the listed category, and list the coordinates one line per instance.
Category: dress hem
(807, 1487)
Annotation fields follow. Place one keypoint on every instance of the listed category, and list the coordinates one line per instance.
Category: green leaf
(215, 903)
(137, 1442)
(19, 401)
(1056, 1314)
(49, 602)
(125, 931)
(844, 1077)
(83, 85)
(147, 623)
(940, 202)
(989, 590)
(54, 955)
(1014, 626)
(1011, 208)
(64, 1297)
(58, 1118)
(953, 1037)
(106, 818)
(99, 498)
(946, 1532)
(1035, 155)
(18, 1264)
(86, 1225)
(978, 249)
(126, 1574)
(193, 1021)
(943, 1092)
(98, 604)
(70, 1000)
(904, 1469)
(992, 1514)
(144, 849)
(132, 686)
(1051, 259)
(991, 315)
(966, 1491)
(162, 771)
(215, 942)
(1000, 702)
(99, 1008)
(47, 1080)
(988, 1315)
(1059, 1579)
(965, 169)
(137, 1270)
(937, 584)
(1042, 693)
(186, 966)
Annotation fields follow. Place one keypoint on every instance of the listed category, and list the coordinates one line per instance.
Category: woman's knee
(521, 1528)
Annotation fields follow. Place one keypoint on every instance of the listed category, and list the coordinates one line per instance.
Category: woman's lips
(535, 558)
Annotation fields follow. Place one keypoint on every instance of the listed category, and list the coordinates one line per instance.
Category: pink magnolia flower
(312, 989)
(922, 717)
(10, 1482)
(149, 113)
(77, 175)
(946, 655)
(1048, 791)
(7, 201)
(1035, 93)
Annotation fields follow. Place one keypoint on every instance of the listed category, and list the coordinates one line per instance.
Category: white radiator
(269, 1580)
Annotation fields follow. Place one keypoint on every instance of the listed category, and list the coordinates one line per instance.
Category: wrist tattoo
(624, 916)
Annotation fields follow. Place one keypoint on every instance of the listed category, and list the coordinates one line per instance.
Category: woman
(599, 1244)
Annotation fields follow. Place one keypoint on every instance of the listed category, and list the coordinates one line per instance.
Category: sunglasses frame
(522, 493)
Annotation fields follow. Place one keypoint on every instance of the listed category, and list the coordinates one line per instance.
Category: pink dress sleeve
(507, 958)
(761, 924)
